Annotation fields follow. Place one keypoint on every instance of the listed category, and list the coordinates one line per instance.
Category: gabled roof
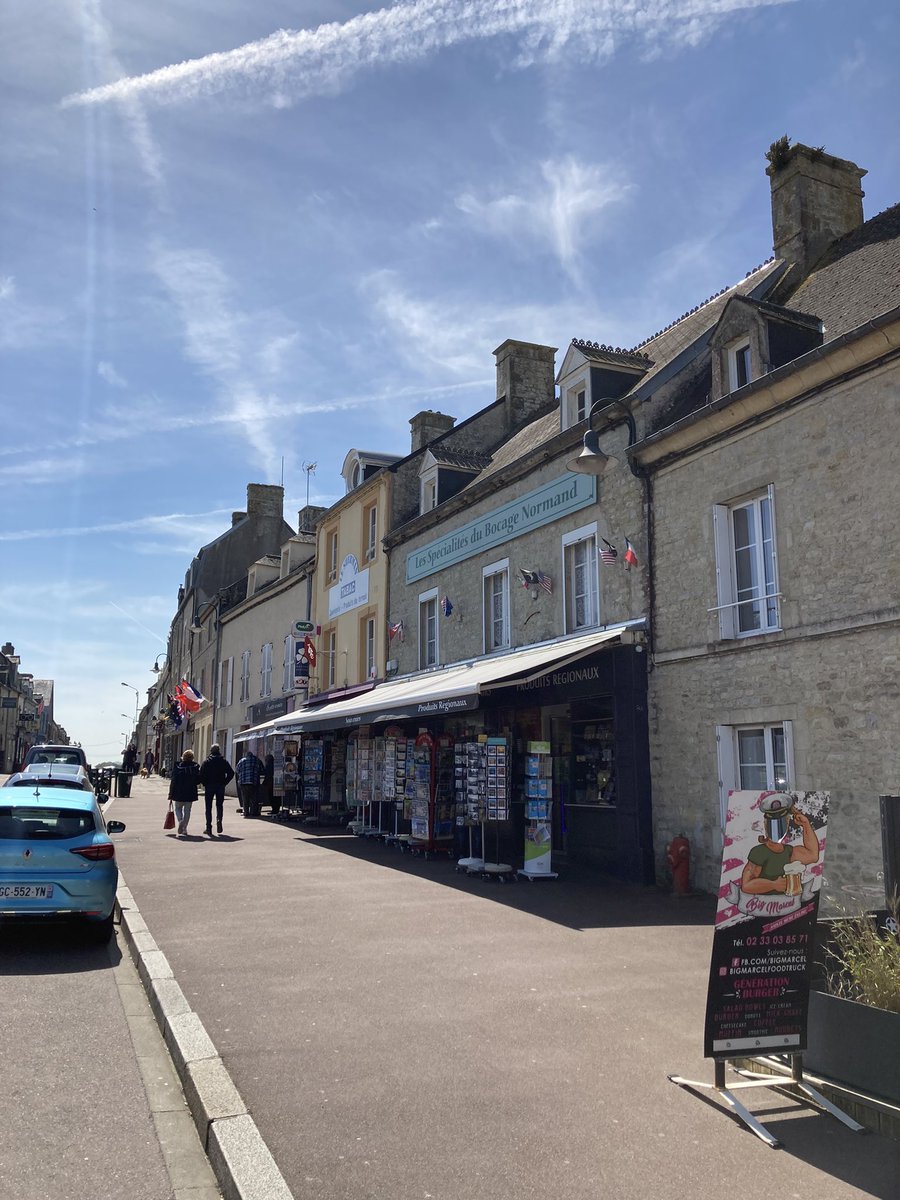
(776, 312)
(458, 459)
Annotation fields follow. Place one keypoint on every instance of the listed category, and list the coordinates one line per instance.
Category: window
(265, 686)
(754, 758)
(287, 680)
(367, 642)
(582, 584)
(580, 406)
(429, 496)
(747, 566)
(371, 527)
(225, 683)
(245, 675)
(330, 656)
(739, 365)
(496, 606)
(331, 562)
(428, 629)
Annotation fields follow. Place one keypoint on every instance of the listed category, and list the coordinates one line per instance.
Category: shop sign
(424, 708)
(588, 677)
(301, 666)
(351, 589)
(772, 864)
(305, 627)
(542, 506)
(9, 702)
(266, 709)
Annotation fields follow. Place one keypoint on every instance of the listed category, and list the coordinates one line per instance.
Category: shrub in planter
(863, 960)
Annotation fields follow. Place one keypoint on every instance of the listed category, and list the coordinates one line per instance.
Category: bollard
(678, 853)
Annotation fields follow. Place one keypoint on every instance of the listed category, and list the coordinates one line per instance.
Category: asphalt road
(400, 1031)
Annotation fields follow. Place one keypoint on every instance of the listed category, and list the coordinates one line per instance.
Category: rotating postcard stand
(486, 787)
(758, 990)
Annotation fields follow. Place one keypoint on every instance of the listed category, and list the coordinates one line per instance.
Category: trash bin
(124, 783)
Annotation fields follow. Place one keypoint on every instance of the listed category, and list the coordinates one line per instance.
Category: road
(399, 1031)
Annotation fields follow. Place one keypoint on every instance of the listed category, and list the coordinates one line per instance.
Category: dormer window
(739, 364)
(429, 491)
(591, 372)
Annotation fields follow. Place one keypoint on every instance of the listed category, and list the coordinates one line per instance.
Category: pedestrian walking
(249, 774)
(269, 784)
(216, 772)
(149, 760)
(183, 790)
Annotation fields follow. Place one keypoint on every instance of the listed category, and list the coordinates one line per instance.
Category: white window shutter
(724, 586)
(229, 680)
(727, 767)
(771, 491)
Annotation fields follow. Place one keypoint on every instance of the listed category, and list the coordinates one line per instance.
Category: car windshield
(18, 823)
(62, 757)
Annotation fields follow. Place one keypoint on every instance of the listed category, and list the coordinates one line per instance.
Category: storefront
(537, 756)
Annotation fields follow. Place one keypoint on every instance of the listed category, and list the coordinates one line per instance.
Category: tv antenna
(310, 469)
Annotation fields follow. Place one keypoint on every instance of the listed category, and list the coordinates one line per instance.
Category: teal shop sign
(542, 506)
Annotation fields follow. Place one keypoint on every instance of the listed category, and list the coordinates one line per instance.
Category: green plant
(863, 960)
(779, 152)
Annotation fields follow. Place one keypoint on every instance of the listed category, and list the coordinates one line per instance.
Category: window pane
(745, 567)
(752, 759)
(768, 558)
(779, 758)
(581, 571)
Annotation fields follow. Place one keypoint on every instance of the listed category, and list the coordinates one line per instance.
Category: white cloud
(563, 209)
(198, 528)
(110, 375)
(292, 64)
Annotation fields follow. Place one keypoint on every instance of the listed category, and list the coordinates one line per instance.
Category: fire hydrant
(678, 853)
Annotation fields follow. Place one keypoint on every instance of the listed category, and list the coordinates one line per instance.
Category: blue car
(56, 858)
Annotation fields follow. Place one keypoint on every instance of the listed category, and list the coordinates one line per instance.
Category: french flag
(190, 697)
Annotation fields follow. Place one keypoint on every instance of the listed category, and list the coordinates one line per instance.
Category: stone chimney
(428, 425)
(236, 518)
(265, 500)
(309, 516)
(525, 380)
(816, 199)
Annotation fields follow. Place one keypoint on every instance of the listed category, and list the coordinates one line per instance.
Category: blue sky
(236, 239)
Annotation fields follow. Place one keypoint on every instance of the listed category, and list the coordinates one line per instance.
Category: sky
(240, 239)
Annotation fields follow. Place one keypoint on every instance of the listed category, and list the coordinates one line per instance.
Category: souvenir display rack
(538, 811)
(393, 785)
(481, 786)
(429, 790)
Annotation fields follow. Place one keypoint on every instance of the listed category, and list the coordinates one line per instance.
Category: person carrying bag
(169, 822)
(183, 790)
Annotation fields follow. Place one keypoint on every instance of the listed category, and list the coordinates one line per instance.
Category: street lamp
(156, 668)
(137, 698)
(592, 460)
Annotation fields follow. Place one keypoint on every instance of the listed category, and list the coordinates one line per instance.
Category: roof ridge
(715, 296)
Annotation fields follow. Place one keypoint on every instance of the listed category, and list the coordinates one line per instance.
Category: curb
(240, 1159)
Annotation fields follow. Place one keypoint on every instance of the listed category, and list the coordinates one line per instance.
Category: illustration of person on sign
(775, 865)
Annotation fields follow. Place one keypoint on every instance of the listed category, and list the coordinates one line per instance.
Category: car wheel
(98, 933)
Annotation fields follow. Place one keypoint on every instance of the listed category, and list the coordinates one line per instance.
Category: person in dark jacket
(215, 775)
(269, 783)
(183, 790)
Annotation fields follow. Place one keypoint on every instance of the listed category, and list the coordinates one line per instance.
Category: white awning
(441, 692)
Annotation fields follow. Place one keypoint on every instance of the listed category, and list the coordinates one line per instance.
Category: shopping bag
(169, 822)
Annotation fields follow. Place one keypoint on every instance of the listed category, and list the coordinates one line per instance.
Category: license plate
(26, 891)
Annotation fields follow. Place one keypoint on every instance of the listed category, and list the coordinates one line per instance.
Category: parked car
(52, 775)
(60, 754)
(57, 860)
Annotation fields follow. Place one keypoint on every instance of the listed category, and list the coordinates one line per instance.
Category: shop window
(756, 758)
(245, 675)
(581, 581)
(496, 606)
(265, 685)
(747, 566)
(428, 629)
(371, 528)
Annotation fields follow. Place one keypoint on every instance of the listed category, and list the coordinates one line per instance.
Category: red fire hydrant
(678, 853)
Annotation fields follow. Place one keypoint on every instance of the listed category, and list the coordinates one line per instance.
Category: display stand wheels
(470, 865)
(532, 875)
(502, 872)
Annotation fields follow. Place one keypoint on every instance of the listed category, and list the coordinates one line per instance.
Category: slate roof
(461, 459)
(857, 279)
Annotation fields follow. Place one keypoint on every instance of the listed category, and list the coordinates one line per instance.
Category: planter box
(854, 1045)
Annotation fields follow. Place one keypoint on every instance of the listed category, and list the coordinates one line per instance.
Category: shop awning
(444, 691)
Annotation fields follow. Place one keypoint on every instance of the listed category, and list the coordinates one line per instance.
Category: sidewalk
(399, 1031)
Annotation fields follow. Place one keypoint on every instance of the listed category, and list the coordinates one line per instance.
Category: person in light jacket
(183, 790)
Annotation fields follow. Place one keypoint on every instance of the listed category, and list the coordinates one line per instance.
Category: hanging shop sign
(772, 864)
(301, 665)
(305, 627)
(540, 507)
(351, 589)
